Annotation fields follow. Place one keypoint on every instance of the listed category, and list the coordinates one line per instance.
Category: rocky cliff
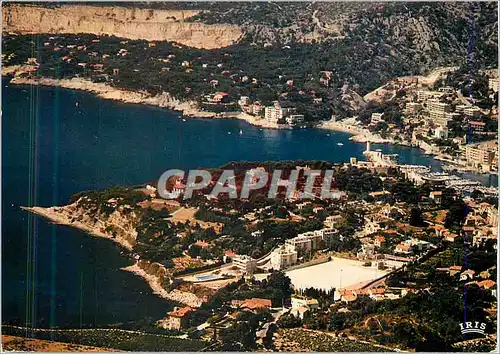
(126, 22)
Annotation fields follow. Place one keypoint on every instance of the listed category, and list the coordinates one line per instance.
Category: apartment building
(325, 235)
(283, 257)
(277, 113)
(441, 132)
(302, 243)
(423, 95)
(480, 156)
(245, 263)
(332, 220)
(295, 119)
(437, 106)
(413, 107)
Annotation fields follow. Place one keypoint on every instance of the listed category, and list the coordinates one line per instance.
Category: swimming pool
(206, 277)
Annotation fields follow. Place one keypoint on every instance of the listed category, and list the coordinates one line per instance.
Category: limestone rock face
(151, 25)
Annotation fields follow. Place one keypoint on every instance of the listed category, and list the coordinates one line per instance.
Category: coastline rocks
(156, 276)
(108, 92)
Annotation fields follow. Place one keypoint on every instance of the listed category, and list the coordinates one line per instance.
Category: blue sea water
(57, 142)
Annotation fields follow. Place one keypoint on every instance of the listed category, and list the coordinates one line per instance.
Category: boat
(183, 119)
(327, 134)
(229, 133)
(76, 104)
(241, 132)
(340, 144)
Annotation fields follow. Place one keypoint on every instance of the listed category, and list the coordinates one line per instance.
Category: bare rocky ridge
(126, 22)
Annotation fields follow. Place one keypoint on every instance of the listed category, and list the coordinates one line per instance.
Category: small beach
(360, 134)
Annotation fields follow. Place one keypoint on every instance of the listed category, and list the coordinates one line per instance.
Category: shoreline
(359, 134)
(108, 92)
(188, 109)
(175, 295)
(362, 135)
(59, 219)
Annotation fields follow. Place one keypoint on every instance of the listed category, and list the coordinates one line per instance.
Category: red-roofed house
(467, 274)
(377, 291)
(402, 248)
(228, 255)
(202, 244)
(440, 230)
(390, 232)
(377, 294)
(178, 187)
(219, 97)
(256, 303)
(455, 269)
(487, 284)
(177, 319)
(477, 126)
(468, 230)
(450, 237)
(300, 311)
(379, 241)
(348, 297)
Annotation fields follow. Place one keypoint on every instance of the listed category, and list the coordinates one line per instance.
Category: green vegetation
(241, 336)
(277, 288)
(426, 321)
(323, 342)
(110, 338)
(364, 52)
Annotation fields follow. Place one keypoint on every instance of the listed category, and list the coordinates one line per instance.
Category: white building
(283, 257)
(441, 132)
(413, 107)
(423, 95)
(302, 301)
(493, 84)
(325, 235)
(245, 263)
(244, 101)
(367, 251)
(331, 220)
(435, 105)
(376, 118)
(295, 119)
(302, 243)
(277, 113)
